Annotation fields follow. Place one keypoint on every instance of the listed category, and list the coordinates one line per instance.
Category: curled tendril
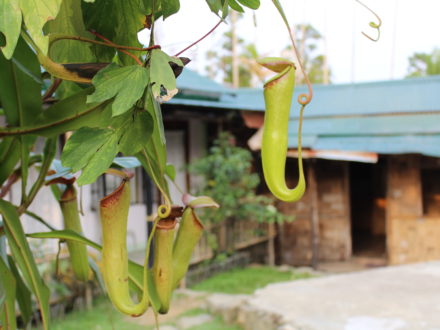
(372, 24)
(164, 210)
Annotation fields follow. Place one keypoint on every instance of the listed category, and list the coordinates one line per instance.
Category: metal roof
(387, 117)
(391, 96)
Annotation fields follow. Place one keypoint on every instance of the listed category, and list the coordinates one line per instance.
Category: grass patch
(194, 312)
(103, 316)
(247, 280)
(216, 324)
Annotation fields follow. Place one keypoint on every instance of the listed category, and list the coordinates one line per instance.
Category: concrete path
(393, 298)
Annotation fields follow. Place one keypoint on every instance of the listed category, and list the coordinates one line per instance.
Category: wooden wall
(408, 214)
(413, 224)
(333, 228)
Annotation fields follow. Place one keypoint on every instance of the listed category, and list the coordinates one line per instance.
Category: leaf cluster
(77, 66)
(228, 179)
(424, 64)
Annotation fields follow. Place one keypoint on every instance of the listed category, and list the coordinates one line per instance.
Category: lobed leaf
(161, 73)
(69, 21)
(137, 135)
(118, 21)
(35, 15)
(253, 4)
(10, 25)
(100, 161)
(234, 5)
(170, 7)
(126, 84)
(83, 145)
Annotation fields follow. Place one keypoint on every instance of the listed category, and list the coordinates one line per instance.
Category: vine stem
(111, 44)
(163, 211)
(304, 98)
(52, 89)
(372, 24)
(203, 37)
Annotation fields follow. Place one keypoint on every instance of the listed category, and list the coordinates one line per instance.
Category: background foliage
(228, 179)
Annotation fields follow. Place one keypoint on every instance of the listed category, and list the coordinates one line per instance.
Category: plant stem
(40, 219)
(101, 43)
(304, 98)
(197, 41)
(110, 43)
(52, 89)
(49, 154)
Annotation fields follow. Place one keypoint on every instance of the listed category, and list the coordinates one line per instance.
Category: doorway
(367, 204)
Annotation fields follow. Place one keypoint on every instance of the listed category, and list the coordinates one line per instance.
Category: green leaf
(136, 274)
(137, 134)
(161, 73)
(119, 21)
(7, 311)
(97, 272)
(100, 161)
(10, 25)
(68, 114)
(23, 295)
(92, 150)
(21, 100)
(253, 4)
(126, 84)
(9, 155)
(234, 5)
(24, 258)
(170, 7)
(20, 95)
(82, 146)
(35, 15)
(215, 5)
(154, 156)
(66, 234)
(70, 22)
(170, 171)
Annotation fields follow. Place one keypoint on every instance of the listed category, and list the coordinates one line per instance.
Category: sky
(408, 26)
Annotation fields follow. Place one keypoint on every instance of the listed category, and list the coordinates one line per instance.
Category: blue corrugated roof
(428, 145)
(398, 116)
(191, 82)
(406, 95)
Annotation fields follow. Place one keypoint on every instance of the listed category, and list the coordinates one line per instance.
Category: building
(373, 173)
(372, 160)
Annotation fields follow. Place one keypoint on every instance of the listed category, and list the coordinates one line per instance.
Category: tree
(235, 52)
(309, 40)
(424, 64)
(228, 178)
